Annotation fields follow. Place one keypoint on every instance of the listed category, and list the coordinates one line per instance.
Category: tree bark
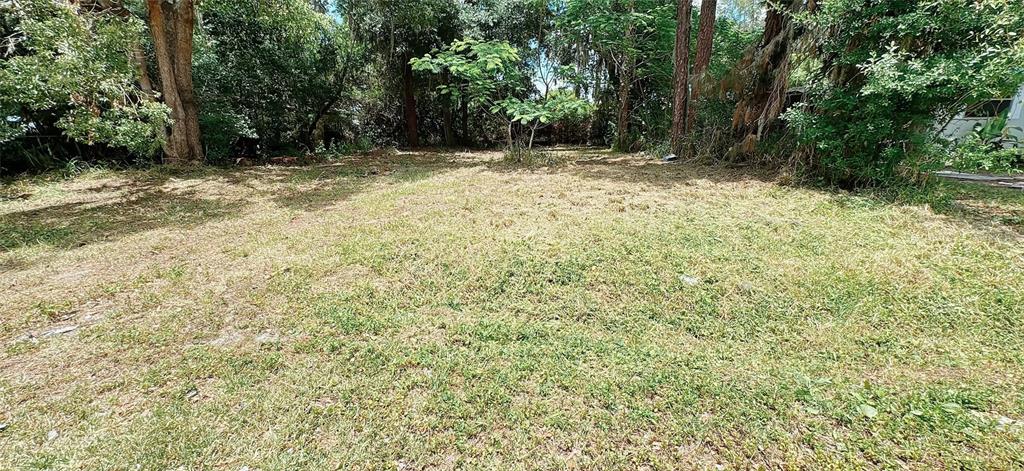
(171, 26)
(448, 118)
(409, 102)
(145, 83)
(682, 75)
(763, 94)
(705, 40)
(628, 66)
(625, 108)
(464, 111)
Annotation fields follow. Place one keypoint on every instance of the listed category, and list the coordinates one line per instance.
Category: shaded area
(143, 207)
(983, 206)
(184, 198)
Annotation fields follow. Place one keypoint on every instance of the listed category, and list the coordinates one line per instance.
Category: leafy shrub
(222, 130)
(888, 70)
(974, 154)
(68, 75)
(344, 148)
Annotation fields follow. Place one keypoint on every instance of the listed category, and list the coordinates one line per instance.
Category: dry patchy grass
(440, 311)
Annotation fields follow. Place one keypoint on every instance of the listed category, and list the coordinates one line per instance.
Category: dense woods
(218, 81)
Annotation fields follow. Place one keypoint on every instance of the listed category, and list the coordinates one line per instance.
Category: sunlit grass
(425, 311)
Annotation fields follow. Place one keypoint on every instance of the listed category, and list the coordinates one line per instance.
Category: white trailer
(966, 122)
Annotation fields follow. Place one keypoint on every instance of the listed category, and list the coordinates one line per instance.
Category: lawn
(436, 311)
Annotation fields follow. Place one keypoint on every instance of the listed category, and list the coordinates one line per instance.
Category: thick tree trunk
(763, 95)
(171, 26)
(409, 102)
(705, 40)
(682, 75)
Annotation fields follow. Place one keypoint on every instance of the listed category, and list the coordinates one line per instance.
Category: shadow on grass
(138, 201)
(164, 197)
(981, 205)
(75, 224)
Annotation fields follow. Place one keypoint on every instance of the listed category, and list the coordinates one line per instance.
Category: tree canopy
(108, 80)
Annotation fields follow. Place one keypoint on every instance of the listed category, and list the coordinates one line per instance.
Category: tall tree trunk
(705, 40)
(622, 140)
(627, 65)
(447, 118)
(171, 26)
(409, 102)
(682, 74)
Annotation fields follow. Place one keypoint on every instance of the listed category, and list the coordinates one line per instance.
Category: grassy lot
(425, 311)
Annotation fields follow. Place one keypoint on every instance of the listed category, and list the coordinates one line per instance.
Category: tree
(764, 75)
(682, 73)
(69, 80)
(705, 40)
(490, 74)
(483, 73)
(625, 62)
(544, 111)
(400, 30)
(272, 75)
(171, 25)
(881, 76)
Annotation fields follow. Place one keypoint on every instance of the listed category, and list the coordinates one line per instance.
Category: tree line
(849, 91)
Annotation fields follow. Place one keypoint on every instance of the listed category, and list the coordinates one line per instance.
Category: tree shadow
(131, 209)
(183, 198)
(991, 209)
(139, 201)
(985, 207)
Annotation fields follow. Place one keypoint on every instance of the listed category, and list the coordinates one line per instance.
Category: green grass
(423, 311)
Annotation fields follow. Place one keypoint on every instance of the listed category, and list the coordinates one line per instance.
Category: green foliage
(974, 153)
(888, 70)
(485, 72)
(72, 72)
(399, 27)
(490, 75)
(601, 26)
(557, 106)
(267, 71)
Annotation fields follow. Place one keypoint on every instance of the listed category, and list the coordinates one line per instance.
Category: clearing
(439, 311)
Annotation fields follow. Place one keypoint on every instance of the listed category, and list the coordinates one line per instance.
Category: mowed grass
(442, 311)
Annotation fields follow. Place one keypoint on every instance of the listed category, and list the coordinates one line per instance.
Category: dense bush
(974, 154)
(269, 73)
(69, 80)
(886, 71)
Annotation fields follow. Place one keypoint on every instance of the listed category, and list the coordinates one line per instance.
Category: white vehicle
(1012, 107)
